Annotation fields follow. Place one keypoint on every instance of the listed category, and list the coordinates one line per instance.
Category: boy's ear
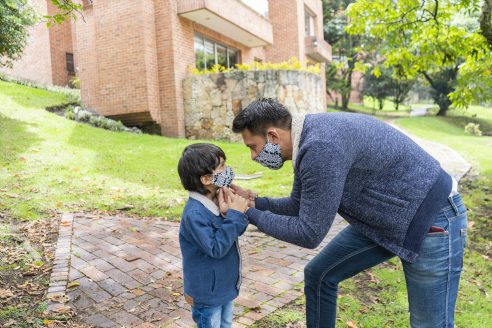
(206, 180)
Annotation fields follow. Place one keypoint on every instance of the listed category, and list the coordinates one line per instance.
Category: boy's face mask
(224, 178)
(270, 156)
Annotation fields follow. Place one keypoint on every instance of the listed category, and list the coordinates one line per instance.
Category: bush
(292, 64)
(79, 114)
(473, 129)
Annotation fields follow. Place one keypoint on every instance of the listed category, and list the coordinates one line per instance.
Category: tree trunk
(442, 110)
(485, 21)
(345, 101)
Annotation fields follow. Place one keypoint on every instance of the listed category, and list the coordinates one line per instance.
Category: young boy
(212, 220)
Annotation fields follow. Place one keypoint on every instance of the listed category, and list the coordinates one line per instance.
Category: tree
(425, 38)
(344, 48)
(400, 87)
(377, 86)
(16, 16)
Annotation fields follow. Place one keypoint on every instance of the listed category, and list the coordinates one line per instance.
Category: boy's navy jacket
(211, 257)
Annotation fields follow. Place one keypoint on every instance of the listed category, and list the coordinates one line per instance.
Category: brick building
(131, 56)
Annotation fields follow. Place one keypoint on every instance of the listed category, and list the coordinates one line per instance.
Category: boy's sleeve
(216, 240)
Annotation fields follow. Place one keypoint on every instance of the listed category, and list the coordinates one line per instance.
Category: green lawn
(369, 106)
(49, 163)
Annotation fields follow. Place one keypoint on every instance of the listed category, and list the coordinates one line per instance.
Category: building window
(70, 63)
(209, 53)
(309, 19)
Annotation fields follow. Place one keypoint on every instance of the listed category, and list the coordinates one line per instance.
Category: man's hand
(245, 193)
(235, 202)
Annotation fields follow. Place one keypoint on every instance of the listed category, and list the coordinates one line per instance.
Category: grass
(49, 163)
(371, 107)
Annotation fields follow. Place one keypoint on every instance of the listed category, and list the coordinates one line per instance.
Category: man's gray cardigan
(373, 175)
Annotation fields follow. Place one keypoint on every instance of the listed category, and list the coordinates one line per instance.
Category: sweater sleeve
(216, 241)
(283, 206)
(322, 172)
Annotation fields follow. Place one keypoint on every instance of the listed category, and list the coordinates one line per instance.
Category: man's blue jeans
(432, 281)
(213, 317)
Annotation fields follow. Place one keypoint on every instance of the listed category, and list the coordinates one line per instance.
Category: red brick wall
(60, 44)
(86, 57)
(117, 58)
(35, 64)
(283, 14)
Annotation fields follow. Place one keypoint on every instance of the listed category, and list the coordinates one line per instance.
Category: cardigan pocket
(384, 198)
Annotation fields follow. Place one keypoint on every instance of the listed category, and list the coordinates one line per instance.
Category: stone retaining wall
(211, 101)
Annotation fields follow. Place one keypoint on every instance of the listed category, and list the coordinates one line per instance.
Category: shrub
(293, 64)
(473, 129)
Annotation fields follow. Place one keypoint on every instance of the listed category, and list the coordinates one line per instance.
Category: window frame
(229, 51)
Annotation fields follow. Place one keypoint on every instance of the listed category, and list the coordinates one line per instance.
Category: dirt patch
(26, 252)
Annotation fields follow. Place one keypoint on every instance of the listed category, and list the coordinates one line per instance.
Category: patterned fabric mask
(224, 178)
(270, 156)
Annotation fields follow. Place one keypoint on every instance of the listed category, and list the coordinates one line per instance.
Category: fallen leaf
(351, 324)
(59, 298)
(9, 323)
(73, 284)
(5, 293)
(64, 309)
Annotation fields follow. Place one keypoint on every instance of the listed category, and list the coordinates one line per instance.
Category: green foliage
(16, 16)
(67, 9)
(473, 129)
(293, 64)
(425, 37)
(75, 82)
(344, 48)
(381, 84)
(377, 86)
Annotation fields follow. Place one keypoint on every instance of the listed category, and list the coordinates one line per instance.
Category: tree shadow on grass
(14, 139)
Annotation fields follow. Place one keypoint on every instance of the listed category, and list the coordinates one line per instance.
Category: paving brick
(140, 276)
(112, 287)
(98, 320)
(93, 273)
(127, 319)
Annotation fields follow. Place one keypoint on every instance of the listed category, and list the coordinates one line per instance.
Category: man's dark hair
(260, 115)
(197, 160)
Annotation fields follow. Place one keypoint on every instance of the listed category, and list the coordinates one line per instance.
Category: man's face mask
(224, 178)
(270, 156)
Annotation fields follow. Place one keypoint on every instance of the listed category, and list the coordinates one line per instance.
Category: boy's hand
(245, 193)
(235, 202)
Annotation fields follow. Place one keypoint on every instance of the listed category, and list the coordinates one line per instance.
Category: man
(395, 196)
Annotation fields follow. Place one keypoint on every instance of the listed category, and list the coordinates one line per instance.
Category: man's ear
(272, 135)
(206, 180)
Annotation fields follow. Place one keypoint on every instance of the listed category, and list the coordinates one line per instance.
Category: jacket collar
(296, 132)
(209, 205)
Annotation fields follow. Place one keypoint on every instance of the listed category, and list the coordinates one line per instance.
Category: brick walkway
(125, 272)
